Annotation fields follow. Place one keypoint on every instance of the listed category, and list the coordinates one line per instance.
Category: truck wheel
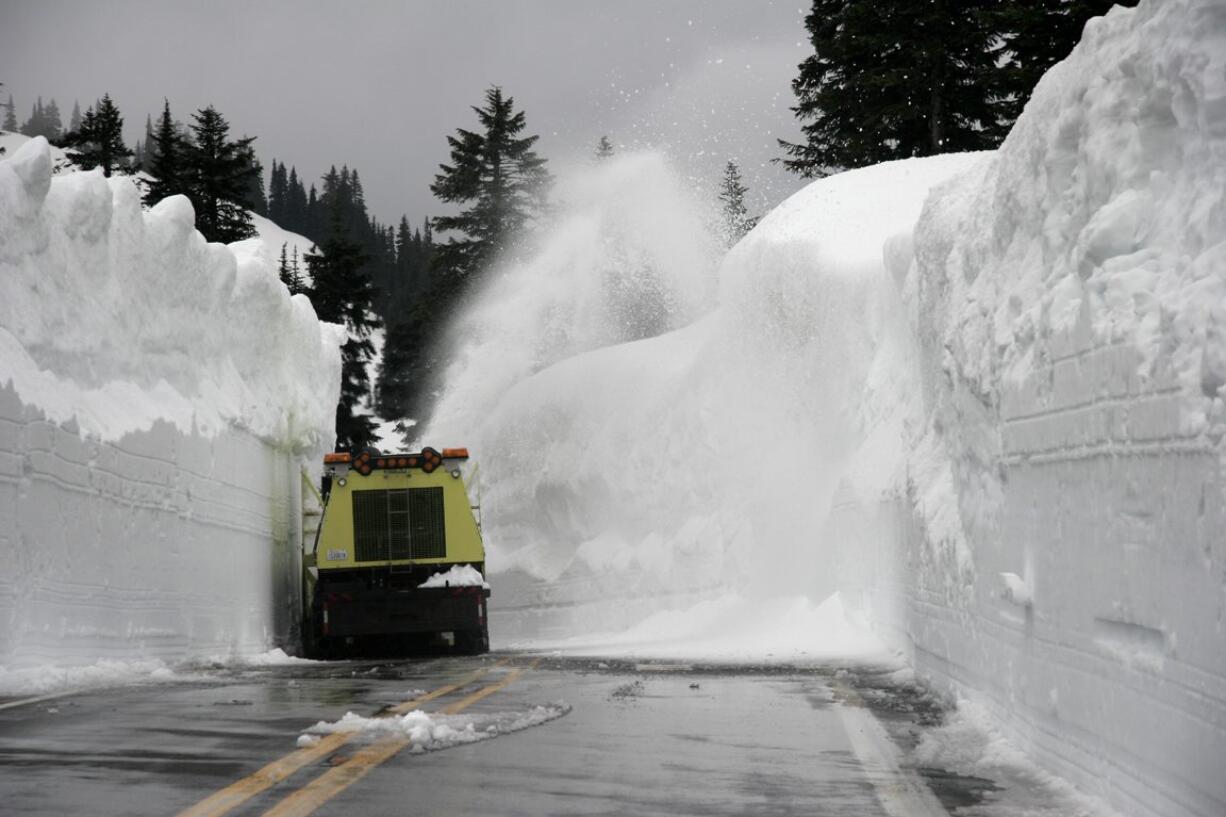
(473, 642)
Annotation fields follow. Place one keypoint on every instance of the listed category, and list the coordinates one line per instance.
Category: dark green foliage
(500, 183)
(10, 116)
(44, 121)
(736, 219)
(289, 271)
(604, 148)
(497, 176)
(255, 198)
(99, 140)
(342, 293)
(145, 162)
(891, 79)
(1036, 36)
(166, 160)
(220, 179)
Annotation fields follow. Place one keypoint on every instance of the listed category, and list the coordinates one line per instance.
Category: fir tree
(53, 126)
(74, 124)
(498, 177)
(288, 270)
(500, 183)
(890, 79)
(736, 219)
(99, 140)
(255, 197)
(342, 293)
(220, 179)
(604, 148)
(278, 194)
(167, 161)
(10, 116)
(146, 164)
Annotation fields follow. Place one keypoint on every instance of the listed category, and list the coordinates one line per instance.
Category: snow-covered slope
(994, 429)
(156, 394)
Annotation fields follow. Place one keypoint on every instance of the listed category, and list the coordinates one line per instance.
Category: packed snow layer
(157, 397)
(981, 397)
(456, 576)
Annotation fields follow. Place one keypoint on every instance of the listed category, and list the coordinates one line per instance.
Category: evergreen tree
(890, 79)
(99, 140)
(146, 163)
(278, 194)
(289, 272)
(74, 124)
(501, 180)
(33, 126)
(255, 198)
(167, 161)
(500, 183)
(10, 117)
(138, 155)
(220, 178)
(53, 126)
(736, 219)
(604, 148)
(342, 293)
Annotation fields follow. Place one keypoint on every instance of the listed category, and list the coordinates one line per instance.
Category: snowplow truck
(398, 554)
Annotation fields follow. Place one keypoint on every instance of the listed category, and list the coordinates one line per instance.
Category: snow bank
(1069, 296)
(157, 394)
(114, 317)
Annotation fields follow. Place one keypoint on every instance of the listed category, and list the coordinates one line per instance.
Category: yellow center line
(241, 791)
(310, 797)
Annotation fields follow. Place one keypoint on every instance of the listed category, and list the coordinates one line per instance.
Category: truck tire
(473, 642)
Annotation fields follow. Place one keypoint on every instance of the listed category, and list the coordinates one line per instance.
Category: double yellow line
(307, 799)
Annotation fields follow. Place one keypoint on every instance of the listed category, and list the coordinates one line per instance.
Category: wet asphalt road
(637, 740)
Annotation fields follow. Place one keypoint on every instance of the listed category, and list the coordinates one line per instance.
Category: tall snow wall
(159, 396)
(979, 396)
(1069, 298)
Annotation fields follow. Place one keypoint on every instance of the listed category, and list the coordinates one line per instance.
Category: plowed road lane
(638, 740)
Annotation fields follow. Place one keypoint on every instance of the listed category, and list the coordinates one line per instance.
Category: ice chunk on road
(429, 732)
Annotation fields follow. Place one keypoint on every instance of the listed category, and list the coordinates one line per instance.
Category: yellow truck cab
(398, 552)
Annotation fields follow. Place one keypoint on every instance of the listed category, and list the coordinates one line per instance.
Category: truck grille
(406, 523)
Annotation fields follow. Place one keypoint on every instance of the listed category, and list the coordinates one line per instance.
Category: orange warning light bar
(455, 453)
(340, 456)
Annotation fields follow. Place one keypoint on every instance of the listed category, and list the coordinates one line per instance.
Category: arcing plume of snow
(158, 396)
(695, 466)
(995, 427)
(628, 257)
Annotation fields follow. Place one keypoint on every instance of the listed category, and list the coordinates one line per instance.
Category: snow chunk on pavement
(429, 732)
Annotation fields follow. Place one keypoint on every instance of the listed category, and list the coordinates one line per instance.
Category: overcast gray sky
(379, 85)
